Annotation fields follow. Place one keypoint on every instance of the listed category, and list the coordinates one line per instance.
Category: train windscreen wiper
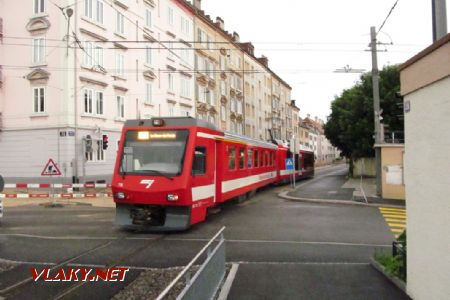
(159, 173)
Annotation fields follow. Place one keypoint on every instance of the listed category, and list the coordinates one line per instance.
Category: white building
(425, 85)
(117, 60)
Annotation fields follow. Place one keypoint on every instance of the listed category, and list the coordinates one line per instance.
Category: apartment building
(73, 72)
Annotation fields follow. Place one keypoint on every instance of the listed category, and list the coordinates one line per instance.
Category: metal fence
(205, 282)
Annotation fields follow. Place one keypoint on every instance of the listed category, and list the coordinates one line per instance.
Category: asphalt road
(285, 250)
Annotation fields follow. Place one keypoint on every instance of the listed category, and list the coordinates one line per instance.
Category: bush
(395, 264)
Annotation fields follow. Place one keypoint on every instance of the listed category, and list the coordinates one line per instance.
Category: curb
(284, 195)
(397, 282)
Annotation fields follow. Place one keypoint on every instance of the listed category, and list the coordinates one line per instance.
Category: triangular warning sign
(51, 169)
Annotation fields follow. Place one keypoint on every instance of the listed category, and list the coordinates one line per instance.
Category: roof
(201, 14)
(436, 45)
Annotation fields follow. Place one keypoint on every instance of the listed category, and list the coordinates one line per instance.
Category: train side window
(256, 159)
(199, 163)
(266, 158)
(241, 158)
(273, 158)
(249, 158)
(261, 156)
(231, 158)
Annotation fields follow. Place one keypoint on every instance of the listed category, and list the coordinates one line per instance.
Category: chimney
(198, 4)
(308, 116)
(264, 60)
(236, 37)
(249, 48)
(220, 23)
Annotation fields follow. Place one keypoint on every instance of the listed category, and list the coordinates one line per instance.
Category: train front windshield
(154, 153)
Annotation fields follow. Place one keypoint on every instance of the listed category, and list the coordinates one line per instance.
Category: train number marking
(148, 183)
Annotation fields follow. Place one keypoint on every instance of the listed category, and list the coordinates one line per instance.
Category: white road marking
(225, 290)
(332, 243)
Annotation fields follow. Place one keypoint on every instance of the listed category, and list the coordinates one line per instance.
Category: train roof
(172, 122)
(192, 122)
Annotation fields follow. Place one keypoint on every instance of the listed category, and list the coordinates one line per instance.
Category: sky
(307, 40)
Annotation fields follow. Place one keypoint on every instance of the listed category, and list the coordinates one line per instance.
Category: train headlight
(121, 195)
(172, 197)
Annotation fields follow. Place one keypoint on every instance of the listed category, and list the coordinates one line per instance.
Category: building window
(171, 109)
(93, 99)
(93, 9)
(148, 55)
(120, 64)
(39, 50)
(88, 98)
(170, 16)
(39, 6)
(185, 87)
(170, 47)
(148, 93)
(185, 25)
(231, 158)
(120, 107)
(223, 88)
(223, 112)
(97, 154)
(239, 107)
(100, 152)
(148, 18)
(185, 55)
(185, 112)
(170, 82)
(99, 103)
(39, 99)
(120, 23)
(212, 119)
(93, 55)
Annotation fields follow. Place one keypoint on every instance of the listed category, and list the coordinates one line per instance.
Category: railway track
(24, 284)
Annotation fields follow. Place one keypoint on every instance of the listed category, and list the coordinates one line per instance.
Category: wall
(364, 167)
(427, 173)
(392, 171)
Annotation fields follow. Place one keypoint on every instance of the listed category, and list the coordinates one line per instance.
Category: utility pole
(439, 19)
(376, 106)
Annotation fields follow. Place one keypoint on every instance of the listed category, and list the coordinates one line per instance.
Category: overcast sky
(306, 40)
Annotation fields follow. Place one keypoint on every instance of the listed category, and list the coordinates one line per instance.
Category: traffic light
(105, 142)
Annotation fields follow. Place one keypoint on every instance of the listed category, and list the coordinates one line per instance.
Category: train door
(219, 169)
(203, 178)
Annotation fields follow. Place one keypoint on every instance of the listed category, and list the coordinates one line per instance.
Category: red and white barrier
(56, 185)
(62, 195)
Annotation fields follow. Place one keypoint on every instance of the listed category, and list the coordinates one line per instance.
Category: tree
(350, 127)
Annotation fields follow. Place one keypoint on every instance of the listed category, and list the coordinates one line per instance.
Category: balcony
(122, 3)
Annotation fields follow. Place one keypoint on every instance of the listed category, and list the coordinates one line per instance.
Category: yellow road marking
(394, 216)
(397, 225)
(394, 209)
(396, 220)
(397, 230)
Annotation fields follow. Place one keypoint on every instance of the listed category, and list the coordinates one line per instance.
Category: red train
(169, 171)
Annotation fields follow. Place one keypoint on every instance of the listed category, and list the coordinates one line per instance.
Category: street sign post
(51, 169)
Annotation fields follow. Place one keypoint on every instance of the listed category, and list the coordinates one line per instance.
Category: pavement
(283, 249)
(331, 184)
